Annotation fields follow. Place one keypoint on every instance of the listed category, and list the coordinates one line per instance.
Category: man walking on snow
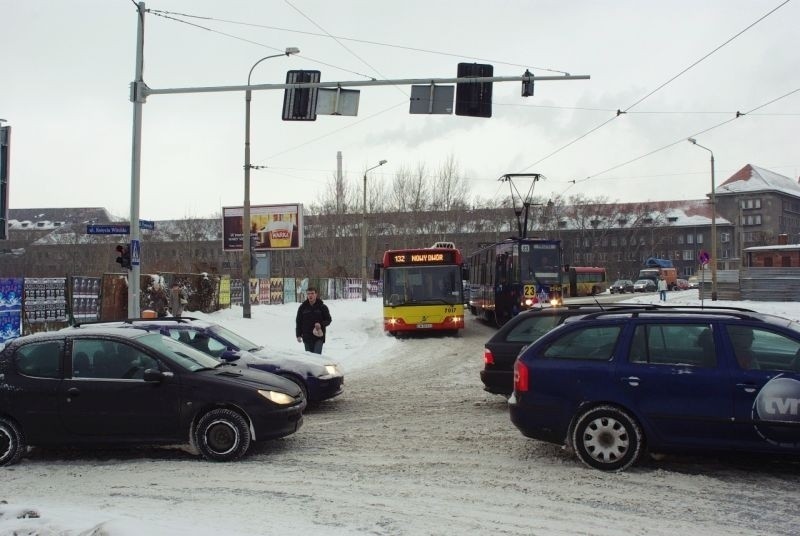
(312, 319)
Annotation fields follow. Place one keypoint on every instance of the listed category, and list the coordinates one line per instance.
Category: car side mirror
(230, 355)
(154, 375)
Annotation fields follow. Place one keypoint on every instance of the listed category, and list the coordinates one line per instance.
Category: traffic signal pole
(140, 91)
(137, 97)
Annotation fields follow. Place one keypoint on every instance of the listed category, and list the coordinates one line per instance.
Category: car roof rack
(132, 320)
(738, 312)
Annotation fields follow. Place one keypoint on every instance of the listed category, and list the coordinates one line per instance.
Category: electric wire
(368, 42)
(250, 41)
(672, 79)
(683, 139)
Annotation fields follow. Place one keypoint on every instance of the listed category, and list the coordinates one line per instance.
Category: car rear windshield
(234, 338)
(181, 354)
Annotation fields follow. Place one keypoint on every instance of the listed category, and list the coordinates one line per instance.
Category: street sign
(135, 252)
(118, 229)
(108, 229)
(703, 258)
(432, 99)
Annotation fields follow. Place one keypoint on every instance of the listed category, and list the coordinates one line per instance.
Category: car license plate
(424, 326)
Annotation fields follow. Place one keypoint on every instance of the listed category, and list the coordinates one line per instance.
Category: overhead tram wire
(694, 135)
(359, 58)
(332, 132)
(660, 87)
(250, 41)
(368, 42)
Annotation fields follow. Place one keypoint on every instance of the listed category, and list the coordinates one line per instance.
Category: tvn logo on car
(778, 402)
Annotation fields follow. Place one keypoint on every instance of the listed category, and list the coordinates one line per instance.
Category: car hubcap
(221, 437)
(606, 440)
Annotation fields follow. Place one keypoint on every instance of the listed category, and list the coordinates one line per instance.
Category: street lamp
(713, 224)
(246, 239)
(364, 236)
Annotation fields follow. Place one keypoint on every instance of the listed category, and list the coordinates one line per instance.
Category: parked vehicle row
(166, 381)
(621, 286)
(614, 383)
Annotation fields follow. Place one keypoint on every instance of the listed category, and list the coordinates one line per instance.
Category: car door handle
(73, 391)
(748, 387)
(632, 380)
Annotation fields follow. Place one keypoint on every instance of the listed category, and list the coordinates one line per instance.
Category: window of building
(726, 253)
(680, 239)
(688, 255)
(725, 237)
(699, 238)
(690, 239)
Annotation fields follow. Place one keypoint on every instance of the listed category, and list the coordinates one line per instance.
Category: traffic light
(474, 99)
(123, 256)
(527, 84)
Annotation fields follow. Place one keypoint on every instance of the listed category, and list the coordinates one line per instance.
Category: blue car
(612, 385)
(319, 377)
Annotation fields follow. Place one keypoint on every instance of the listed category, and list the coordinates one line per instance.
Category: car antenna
(594, 297)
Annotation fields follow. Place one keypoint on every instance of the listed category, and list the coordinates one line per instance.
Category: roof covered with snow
(755, 179)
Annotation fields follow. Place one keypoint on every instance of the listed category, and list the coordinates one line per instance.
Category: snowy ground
(413, 446)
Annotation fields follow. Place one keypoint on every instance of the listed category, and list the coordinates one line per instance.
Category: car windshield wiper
(256, 349)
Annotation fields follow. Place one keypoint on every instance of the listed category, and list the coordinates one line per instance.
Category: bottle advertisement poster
(272, 227)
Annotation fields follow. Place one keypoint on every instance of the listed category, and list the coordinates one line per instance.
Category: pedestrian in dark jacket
(312, 319)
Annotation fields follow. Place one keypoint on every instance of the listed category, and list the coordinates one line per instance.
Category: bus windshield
(422, 285)
(541, 265)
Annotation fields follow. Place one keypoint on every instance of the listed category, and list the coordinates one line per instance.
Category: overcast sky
(67, 66)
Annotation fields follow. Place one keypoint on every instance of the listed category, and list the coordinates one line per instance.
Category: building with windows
(754, 206)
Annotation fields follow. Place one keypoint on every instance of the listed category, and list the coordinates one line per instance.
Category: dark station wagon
(614, 384)
(502, 349)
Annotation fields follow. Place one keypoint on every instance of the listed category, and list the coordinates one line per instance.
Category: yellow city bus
(586, 280)
(422, 289)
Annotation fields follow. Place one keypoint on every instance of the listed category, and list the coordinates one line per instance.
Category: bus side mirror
(376, 270)
(464, 273)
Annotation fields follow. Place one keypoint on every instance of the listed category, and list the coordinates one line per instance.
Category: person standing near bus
(662, 288)
(313, 317)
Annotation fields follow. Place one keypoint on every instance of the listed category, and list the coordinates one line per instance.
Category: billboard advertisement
(272, 227)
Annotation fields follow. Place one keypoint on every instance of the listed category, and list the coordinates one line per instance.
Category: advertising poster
(225, 292)
(236, 292)
(276, 290)
(289, 290)
(45, 300)
(272, 227)
(85, 299)
(254, 293)
(10, 308)
(263, 291)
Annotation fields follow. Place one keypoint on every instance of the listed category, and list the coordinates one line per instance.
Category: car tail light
(488, 358)
(520, 377)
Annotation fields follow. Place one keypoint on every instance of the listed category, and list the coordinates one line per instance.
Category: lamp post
(713, 224)
(364, 236)
(246, 239)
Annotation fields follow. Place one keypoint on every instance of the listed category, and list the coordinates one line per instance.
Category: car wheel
(12, 442)
(222, 435)
(607, 438)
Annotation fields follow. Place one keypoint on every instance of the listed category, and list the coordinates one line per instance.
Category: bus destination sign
(423, 257)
